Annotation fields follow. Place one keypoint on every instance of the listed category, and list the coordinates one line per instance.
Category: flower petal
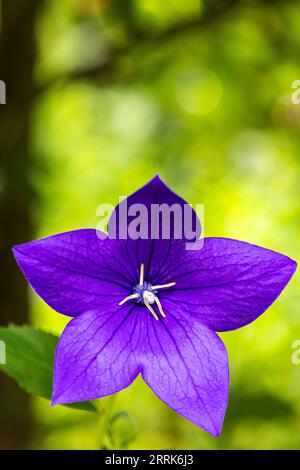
(96, 355)
(75, 272)
(156, 192)
(228, 283)
(159, 257)
(187, 368)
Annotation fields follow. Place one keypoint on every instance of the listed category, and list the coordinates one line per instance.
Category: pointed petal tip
(294, 265)
(18, 252)
(55, 401)
(160, 180)
(23, 248)
(58, 399)
(216, 432)
(16, 249)
(156, 180)
(291, 266)
(213, 428)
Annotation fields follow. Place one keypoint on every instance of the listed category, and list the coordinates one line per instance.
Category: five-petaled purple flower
(151, 307)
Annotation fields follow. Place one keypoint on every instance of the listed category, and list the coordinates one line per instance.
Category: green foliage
(29, 360)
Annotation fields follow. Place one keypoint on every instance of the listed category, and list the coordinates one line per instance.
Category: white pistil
(147, 296)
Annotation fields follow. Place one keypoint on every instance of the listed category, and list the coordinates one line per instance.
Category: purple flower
(151, 307)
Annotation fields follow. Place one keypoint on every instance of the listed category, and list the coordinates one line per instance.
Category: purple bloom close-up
(151, 307)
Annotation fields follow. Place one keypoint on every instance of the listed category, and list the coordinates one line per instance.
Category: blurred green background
(103, 94)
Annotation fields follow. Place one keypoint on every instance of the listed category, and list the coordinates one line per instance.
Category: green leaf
(29, 360)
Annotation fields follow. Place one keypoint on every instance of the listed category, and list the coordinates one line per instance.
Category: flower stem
(105, 413)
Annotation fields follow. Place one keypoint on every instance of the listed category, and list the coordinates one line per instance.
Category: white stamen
(157, 301)
(133, 296)
(151, 310)
(163, 286)
(142, 275)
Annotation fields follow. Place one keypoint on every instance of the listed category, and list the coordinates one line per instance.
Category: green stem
(105, 416)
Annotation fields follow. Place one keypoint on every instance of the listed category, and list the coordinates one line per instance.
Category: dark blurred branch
(17, 57)
(209, 17)
(108, 69)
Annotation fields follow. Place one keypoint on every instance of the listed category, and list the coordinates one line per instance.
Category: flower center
(146, 294)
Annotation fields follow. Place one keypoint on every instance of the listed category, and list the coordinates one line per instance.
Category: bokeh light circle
(198, 91)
